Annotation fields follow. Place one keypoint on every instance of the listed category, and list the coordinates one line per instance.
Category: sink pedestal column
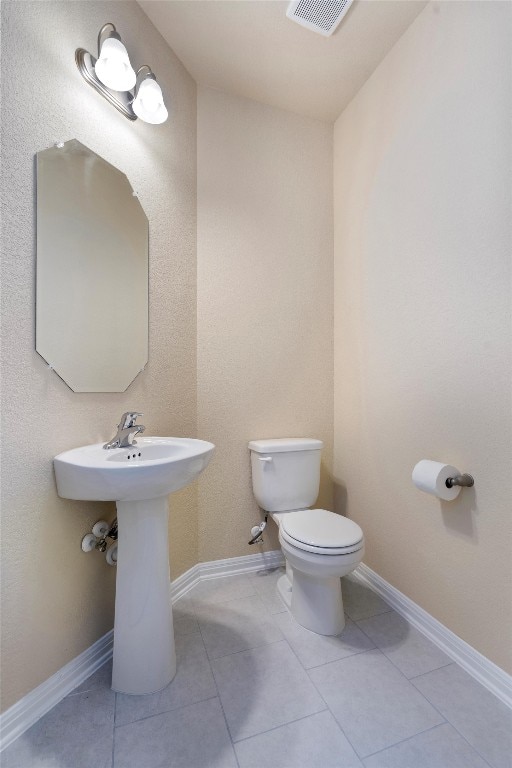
(144, 652)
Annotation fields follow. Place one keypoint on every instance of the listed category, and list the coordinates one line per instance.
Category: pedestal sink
(138, 478)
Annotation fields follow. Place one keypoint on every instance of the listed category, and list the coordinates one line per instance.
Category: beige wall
(57, 600)
(264, 300)
(422, 315)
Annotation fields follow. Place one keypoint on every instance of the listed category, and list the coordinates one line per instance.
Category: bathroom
(329, 258)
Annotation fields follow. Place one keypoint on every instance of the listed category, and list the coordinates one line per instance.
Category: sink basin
(155, 466)
(138, 479)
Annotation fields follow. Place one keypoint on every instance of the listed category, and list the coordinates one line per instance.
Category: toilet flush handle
(265, 458)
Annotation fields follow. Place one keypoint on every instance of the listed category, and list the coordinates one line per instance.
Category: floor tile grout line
(424, 674)
(186, 634)
(326, 704)
(114, 730)
(164, 712)
(199, 631)
(74, 692)
(81, 693)
(391, 660)
(359, 653)
(449, 721)
(78, 693)
(443, 666)
(302, 666)
(281, 725)
(114, 740)
(409, 681)
(272, 642)
(220, 699)
(221, 602)
(190, 594)
(246, 597)
(416, 677)
(372, 650)
(371, 616)
(264, 615)
(243, 650)
(341, 658)
(404, 741)
(412, 684)
(398, 668)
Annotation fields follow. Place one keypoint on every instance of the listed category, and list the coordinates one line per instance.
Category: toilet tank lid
(283, 444)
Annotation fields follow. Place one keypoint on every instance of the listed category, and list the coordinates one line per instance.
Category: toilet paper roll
(431, 477)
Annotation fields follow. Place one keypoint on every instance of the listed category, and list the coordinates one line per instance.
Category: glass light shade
(149, 103)
(113, 67)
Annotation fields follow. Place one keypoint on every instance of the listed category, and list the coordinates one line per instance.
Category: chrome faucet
(126, 431)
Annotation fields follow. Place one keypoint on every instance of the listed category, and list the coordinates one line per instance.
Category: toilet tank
(285, 472)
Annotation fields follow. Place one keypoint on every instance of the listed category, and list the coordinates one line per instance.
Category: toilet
(319, 546)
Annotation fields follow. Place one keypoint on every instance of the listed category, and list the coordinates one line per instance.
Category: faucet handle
(128, 419)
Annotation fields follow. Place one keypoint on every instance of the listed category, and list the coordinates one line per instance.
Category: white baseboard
(185, 582)
(238, 565)
(478, 666)
(216, 569)
(22, 715)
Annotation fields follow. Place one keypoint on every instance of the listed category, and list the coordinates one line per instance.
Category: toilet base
(284, 590)
(316, 604)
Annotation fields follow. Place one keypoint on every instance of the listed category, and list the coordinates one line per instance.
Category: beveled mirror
(92, 271)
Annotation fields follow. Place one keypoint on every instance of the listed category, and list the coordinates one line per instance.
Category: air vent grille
(321, 16)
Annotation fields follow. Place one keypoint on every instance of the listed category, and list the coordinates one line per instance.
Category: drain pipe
(257, 530)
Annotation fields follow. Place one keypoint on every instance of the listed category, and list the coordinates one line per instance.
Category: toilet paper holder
(464, 480)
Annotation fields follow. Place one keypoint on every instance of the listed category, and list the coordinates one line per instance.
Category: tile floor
(256, 690)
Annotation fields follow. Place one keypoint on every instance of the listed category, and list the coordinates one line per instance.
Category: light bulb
(113, 67)
(149, 102)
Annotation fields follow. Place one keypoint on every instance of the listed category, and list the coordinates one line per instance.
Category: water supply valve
(101, 531)
(256, 532)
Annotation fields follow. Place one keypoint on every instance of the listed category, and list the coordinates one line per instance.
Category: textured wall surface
(56, 600)
(422, 315)
(264, 301)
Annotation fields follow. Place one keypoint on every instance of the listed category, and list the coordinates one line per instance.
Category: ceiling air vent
(322, 16)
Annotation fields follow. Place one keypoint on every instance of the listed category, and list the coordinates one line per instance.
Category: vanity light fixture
(112, 75)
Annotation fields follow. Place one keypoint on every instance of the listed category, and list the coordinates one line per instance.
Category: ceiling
(249, 48)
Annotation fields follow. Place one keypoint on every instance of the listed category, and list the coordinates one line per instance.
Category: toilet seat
(321, 532)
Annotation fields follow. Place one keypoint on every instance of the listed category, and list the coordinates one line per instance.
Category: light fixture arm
(101, 34)
(143, 73)
(150, 72)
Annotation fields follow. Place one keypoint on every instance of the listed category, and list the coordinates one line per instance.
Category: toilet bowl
(319, 546)
(315, 598)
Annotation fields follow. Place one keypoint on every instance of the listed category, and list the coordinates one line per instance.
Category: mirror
(92, 271)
